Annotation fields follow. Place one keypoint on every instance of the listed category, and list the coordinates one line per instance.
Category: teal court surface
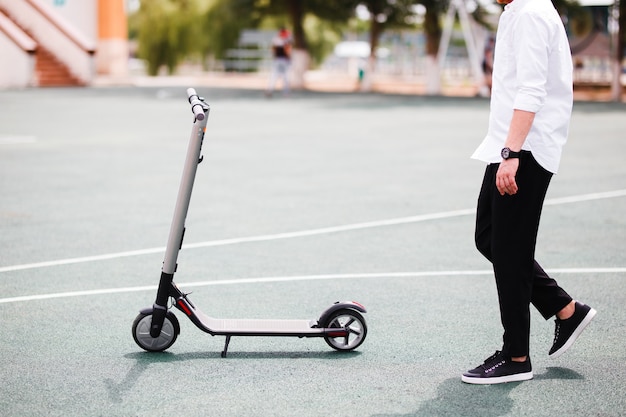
(300, 201)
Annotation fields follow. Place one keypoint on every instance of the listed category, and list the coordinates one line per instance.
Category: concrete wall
(82, 14)
(16, 65)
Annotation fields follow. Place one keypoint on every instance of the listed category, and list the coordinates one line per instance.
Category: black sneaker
(567, 331)
(498, 369)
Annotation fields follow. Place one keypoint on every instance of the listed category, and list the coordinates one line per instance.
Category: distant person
(361, 74)
(281, 54)
(531, 105)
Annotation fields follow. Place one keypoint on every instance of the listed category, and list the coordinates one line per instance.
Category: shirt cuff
(528, 103)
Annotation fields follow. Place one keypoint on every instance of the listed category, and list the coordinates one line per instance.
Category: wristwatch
(507, 153)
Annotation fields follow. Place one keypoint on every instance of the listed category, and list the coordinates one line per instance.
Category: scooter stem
(177, 229)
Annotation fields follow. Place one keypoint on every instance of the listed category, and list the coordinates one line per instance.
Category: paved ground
(88, 179)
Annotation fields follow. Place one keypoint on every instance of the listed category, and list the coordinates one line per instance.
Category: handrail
(17, 35)
(77, 38)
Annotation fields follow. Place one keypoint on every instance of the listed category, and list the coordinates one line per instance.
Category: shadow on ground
(455, 398)
(144, 359)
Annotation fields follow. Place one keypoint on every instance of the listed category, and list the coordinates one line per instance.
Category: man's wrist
(507, 153)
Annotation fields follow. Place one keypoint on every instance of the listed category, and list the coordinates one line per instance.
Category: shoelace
(492, 357)
(557, 330)
(493, 362)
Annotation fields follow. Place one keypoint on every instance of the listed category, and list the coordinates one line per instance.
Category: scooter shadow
(143, 360)
(159, 357)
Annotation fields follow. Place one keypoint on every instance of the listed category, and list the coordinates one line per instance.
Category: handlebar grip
(197, 106)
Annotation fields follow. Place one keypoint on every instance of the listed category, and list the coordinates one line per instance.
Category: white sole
(498, 379)
(590, 315)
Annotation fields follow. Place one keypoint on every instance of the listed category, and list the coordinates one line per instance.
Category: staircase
(49, 72)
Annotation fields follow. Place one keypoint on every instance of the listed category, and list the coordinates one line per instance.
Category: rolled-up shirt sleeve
(532, 49)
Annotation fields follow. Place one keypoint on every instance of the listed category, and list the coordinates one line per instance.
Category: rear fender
(339, 305)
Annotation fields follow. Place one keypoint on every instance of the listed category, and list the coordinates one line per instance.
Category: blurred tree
(432, 24)
(385, 14)
(322, 36)
(167, 32)
(296, 12)
(221, 25)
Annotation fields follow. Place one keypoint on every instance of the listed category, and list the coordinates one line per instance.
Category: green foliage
(332, 11)
(392, 14)
(296, 12)
(316, 25)
(322, 36)
(133, 26)
(221, 25)
(167, 32)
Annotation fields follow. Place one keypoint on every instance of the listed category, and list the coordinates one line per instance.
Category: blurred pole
(112, 55)
(458, 6)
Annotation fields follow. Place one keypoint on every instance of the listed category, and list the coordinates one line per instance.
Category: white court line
(296, 278)
(302, 233)
(585, 197)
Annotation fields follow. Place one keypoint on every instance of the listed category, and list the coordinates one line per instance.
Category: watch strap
(507, 153)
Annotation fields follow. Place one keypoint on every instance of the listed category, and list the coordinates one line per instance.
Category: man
(281, 52)
(531, 106)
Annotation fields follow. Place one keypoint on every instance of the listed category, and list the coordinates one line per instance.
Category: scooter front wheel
(353, 322)
(169, 332)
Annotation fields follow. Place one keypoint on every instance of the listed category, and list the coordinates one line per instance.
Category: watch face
(505, 153)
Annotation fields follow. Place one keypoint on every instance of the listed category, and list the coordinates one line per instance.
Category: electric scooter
(156, 328)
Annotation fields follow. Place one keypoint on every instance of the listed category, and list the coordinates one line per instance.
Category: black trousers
(506, 234)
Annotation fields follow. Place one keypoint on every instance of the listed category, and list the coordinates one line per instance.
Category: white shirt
(532, 72)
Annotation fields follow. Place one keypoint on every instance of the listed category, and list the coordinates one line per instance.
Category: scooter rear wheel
(169, 332)
(353, 322)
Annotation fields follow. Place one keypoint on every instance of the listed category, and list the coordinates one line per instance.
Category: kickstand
(225, 351)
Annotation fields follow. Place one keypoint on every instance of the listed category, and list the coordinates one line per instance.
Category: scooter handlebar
(197, 106)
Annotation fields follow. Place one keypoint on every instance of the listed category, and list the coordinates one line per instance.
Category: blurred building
(594, 50)
(61, 42)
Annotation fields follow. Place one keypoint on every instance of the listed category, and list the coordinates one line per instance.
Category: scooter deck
(258, 327)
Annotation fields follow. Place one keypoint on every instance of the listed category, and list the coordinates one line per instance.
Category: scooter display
(156, 328)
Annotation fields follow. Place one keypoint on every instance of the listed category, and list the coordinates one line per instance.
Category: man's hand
(505, 177)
